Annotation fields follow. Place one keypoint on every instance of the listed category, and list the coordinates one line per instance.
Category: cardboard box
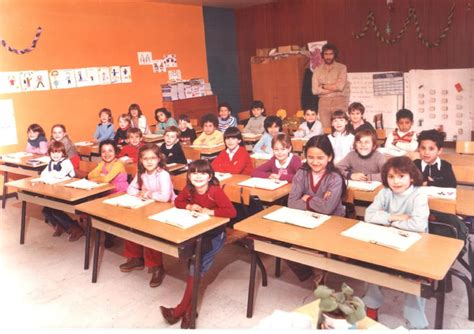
(288, 48)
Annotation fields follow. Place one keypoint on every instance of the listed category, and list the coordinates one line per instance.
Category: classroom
(237, 164)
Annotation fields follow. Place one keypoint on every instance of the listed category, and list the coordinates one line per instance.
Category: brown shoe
(58, 231)
(157, 276)
(75, 233)
(133, 263)
(168, 314)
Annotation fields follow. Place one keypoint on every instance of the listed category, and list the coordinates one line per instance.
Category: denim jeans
(207, 259)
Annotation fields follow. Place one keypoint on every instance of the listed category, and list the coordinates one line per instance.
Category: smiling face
(107, 153)
(317, 160)
(161, 117)
(58, 133)
(123, 123)
(104, 118)
(310, 116)
(404, 124)
(281, 152)
(231, 143)
(273, 130)
(224, 112)
(200, 181)
(134, 139)
(398, 181)
(208, 128)
(171, 138)
(257, 112)
(429, 152)
(134, 112)
(32, 135)
(56, 155)
(182, 125)
(364, 146)
(149, 160)
(355, 116)
(339, 124)
(328, 57)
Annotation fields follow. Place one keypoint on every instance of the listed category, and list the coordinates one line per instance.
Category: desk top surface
(137, 219)
(23, 162)
(430, 257)
(207, 149)
(58, 190)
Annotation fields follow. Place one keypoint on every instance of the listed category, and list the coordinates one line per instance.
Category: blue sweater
(104, 131)
(264, 145)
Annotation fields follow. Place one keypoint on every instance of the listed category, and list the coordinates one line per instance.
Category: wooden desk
(411, 271)
(55, 196)
(270, 196)
(208, 150)
(134, 225)
(94, 148)
(152, 138)
(251, 139)
(298, 144)
(18, 167)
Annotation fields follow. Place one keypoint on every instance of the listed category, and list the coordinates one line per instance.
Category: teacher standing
(330, 84)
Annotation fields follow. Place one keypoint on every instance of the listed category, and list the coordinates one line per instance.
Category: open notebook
(180, 217)
(439, 192)
(261, 156)
(128, 201)
(394, 152)
(48, 180)
(382, 235)
(297, 217)
(84, 184)
(268, 184)
(364, 185)
(223, 176)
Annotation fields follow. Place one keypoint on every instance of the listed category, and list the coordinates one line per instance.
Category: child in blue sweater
(105, 129)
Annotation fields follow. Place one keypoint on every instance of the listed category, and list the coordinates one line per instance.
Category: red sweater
(241, 162)
(130, 151)
(214, 199)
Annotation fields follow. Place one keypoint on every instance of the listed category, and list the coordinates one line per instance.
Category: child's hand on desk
(359, 177)
(193, 207)
(305, 197)
(207, 211)
(144, 194)
(274, 176)
(394, 218)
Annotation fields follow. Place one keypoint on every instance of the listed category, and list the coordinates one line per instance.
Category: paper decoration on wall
(159, 66)
(62, 79)
(170, 60)
(115, 75)
(93, 76)
(82, 80)
(10, 82)
(34, 80)
(35, 40)
(126, 74)
(315, 51)
(144, 58)
(174, 75)
(8, 135)
(104, 75)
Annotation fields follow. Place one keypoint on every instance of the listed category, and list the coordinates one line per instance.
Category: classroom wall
(301, 21)
(96, 33)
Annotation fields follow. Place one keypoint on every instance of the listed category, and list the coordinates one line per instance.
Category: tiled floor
(43, 285)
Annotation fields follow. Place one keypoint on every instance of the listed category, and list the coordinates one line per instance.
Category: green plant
(341, 303)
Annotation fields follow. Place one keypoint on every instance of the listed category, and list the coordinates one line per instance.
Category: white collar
(437, 162)
(285, 165)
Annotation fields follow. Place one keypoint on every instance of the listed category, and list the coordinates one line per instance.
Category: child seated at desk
(137, 119)
(164, 120)
(60, 167)
(255, 122)
(234, 159)
(357, 121)
(134, 137)
(151, 182)
(402, 139)
(311, 125)
(273, 126)
(58, 133)
(283, 165)
(226, 120)
(105, 129)
(365, 162)
(341, 139)
(171, 148)
(400, 204)
(188, 134)
(121, 133)
(37, 142)
(202, 194)
(438, 173)
(210, 136)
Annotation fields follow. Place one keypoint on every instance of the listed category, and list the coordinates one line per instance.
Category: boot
(157, 276)
(133, 263)
(58, 231)
(75, 233)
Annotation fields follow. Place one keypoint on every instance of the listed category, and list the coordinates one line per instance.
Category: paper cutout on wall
(144, 58)
(115, 75)
(104, 75)
(126, 74)
(170, 60)
(159, 66)
(174, 75)
(8, 135)
(34, 80)
(93, 76)
(10, 82)
(82, 80)
(62, 79)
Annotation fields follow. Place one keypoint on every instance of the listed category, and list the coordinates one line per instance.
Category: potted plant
(339, 309)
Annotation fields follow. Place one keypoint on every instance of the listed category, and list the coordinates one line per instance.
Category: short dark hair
(329, 46)
(136, 107)
(404, 113)
(210, 118)
(339, 114)
(256, 104)
(108, 112)
(36, 128)
(433, 135)
(402, 165)
(283, 139)
(184, 117)
(108, 142)
(366, 133)
(226, 105)
(270, 120)
(164, 111)
(57, 146)
(134, 131)
(233, 132)
(356, 106)
(200, 166)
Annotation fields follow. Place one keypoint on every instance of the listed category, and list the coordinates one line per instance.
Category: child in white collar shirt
(341, 139)
(311, 126)
(171, 148)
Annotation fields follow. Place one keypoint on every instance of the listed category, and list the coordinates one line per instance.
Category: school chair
(191, 154)
(378, 121)
(85, 167)
(450, 231)
(131, 169)
(243, 117)
(465, 147)
(381, 136)
(194, 122)
(152, 128)
(85, 152)
(241, 196)
(464, 175)
(327, 131)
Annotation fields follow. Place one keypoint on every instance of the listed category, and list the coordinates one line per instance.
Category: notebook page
(268, 184)
(84, 184)
(301, 218)
(128, 201)
(364, 185)
(180, 217)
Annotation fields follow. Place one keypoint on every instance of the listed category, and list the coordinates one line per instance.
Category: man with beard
(330, 84)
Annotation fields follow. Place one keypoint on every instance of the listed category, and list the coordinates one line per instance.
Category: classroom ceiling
(233, 4)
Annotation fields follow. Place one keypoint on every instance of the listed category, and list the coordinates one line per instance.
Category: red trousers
(152, 257)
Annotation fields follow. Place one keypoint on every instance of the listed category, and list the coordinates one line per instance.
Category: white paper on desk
(222, 176)
(364, 185)
(49, 180)
(392, 151)
(84, 184)
(17, 155)
(128, 201)
(205, 146)
(180, 217)
(268, 184)
(250, 135)
(152, 136)
(261, 156)
(439, 192)
(297, 217)
(84, 143)
(382, 235)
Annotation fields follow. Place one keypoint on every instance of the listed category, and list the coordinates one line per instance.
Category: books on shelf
(84, 184)
(261, 156)
(128, 201)
(306, 219)
(222, 176)
(364, 185)
(439, 192)
(48, 180)
(386, 236)
(180, 217)
(268, 184)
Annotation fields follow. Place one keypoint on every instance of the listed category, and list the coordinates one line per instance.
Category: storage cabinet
(195, 107)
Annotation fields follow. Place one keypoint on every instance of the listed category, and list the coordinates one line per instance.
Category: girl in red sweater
(202, 194)
(235, 159)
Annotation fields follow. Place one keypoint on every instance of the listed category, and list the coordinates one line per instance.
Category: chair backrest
(243, 116)
(237, 194)
(194, 122)
(378, 121)
(84, 151)
(131, 169)
(381, 134)
(85, 167)
(327, 130)
(152, 128)
(465, 147)
(179, 182)
(190, 153)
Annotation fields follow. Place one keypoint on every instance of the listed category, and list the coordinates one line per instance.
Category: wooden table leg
(96, 256)
(23, 222)
(253, 270)
(440, 294)
(5, 194)
(197, 276)
(88, 243)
